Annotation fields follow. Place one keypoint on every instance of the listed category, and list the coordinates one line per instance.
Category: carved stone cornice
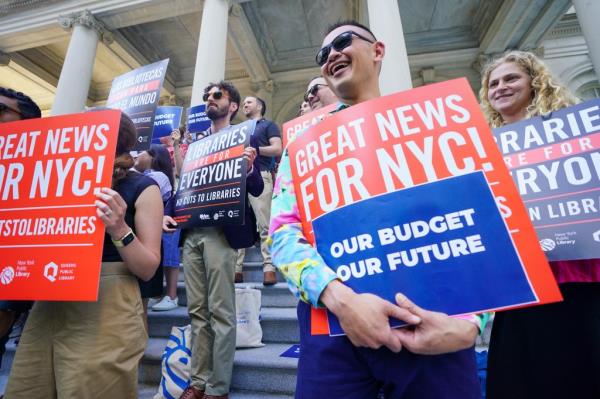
(266, 85)
(87, 19)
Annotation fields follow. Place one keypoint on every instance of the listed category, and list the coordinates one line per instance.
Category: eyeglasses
(314, 90)
(339, 43)
(4, 108)
(216, 95)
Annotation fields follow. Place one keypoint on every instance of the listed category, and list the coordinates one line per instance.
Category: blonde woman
(550, 351)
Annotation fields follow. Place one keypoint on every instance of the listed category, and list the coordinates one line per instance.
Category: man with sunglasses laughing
(209, 256)
(319, 94)
(431, 358)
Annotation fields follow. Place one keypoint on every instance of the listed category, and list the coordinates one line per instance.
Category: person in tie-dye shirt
(369, 358)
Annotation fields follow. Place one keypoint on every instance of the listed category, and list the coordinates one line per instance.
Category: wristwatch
(125, 240)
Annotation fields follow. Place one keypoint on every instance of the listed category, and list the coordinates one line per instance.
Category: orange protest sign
(301, 123)
(402, 141)
(50, 237)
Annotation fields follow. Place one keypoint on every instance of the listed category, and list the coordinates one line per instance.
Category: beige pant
(84, 350)
(261, 206)
(209, 264)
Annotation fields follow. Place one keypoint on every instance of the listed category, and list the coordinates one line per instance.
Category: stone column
(385, 22)
(212, 46)
(76, 73)
(588, 12)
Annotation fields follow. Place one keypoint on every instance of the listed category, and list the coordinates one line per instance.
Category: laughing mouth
(338, 67)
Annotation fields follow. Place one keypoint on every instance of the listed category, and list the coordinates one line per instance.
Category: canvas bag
(247, 310)
(175, 365)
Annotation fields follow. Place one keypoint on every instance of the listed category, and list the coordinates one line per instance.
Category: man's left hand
(437, 333)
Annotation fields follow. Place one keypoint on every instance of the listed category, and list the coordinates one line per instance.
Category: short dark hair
(262, 104)
(234, 94)
(27, 107)
(351, 23)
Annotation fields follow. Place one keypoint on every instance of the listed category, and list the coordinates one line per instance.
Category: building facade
(65, 54)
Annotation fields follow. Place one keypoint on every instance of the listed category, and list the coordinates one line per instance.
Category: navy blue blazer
(245, 235)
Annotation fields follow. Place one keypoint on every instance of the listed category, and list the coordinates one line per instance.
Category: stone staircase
(257, 372)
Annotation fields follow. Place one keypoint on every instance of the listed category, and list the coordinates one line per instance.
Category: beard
(217, 113)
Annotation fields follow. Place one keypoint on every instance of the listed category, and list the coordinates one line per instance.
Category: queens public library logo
(7, 275)
(51, 271)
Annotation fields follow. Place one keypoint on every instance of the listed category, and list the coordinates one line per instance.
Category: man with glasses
(438, 359)
(268, 138)
(318, 93)
(14, 106)
(209, 255)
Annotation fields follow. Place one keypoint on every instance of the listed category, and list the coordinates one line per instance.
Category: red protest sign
(301, 123)
(404, 140)
(50, 237)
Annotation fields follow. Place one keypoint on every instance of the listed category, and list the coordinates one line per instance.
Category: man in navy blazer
(209, 256)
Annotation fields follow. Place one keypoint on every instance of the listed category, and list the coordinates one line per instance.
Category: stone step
(279, 325)
(277, 296)
(257, 372)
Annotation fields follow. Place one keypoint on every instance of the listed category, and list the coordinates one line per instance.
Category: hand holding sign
(169, 224)
(437, 333)
(110, 208)
(365, 317)
(176, 136)
(250, 156)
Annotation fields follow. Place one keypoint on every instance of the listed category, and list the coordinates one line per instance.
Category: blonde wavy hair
(548, 94)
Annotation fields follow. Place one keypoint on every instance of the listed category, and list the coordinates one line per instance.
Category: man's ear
(379, 50)
(233, 107)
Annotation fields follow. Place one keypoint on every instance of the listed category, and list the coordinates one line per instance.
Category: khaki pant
(261, 206)
(84, 350)
(209, 264)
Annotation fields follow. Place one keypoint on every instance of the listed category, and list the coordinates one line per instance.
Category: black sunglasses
(4, 108)
(313, 90)
(216, 95)
(339, 43)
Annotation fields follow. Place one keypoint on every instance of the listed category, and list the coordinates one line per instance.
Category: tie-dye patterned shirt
(304, 269)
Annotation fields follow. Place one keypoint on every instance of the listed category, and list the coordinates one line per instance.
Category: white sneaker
(166, 304)
(153, 301)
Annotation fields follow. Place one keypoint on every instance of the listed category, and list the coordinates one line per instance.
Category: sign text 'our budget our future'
(404, 232)
(50, 170)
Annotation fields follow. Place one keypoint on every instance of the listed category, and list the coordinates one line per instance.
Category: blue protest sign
(452, 253)
(197, 121)
(137, 94)
(166, 119)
